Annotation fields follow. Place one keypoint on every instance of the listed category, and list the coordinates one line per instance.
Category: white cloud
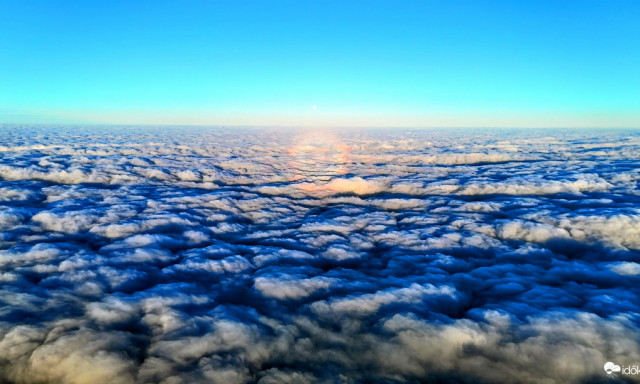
(626, 268)
(536, 186)
(529, 231)
(290, 287)
(369, 303)
(7, 194)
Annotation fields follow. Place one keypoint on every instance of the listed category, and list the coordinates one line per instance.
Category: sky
(360, 63)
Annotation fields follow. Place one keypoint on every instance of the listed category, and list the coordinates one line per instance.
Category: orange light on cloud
(317, 155)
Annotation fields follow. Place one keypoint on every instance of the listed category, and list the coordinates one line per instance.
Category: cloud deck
(140, 255)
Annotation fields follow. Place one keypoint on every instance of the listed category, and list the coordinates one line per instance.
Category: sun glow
(317, 156)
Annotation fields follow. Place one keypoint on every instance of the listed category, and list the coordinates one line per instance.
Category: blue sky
(404, 63)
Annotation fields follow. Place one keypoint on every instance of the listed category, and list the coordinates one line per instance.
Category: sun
(315, 107)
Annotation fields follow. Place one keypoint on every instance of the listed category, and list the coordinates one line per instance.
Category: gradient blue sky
(391, 63)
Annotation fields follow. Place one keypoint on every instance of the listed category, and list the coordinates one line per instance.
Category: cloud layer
(140, 255)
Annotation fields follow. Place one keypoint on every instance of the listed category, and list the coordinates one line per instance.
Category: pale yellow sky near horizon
(319, 117)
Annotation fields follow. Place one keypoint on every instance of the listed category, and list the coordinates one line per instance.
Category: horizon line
(305, 126)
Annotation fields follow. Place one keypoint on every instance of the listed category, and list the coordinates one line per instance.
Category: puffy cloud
(290, 287)
(355, 185)
(369, 303)
(74, 176)
(535, 186)
(69, 222)
(626, 268)
(10, 218)
(531, 232)
(276, 376)
(233, 264)
(38, 253)
(621, 230)
(80, 357)
(8, 194)
(188, 175)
